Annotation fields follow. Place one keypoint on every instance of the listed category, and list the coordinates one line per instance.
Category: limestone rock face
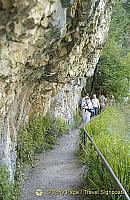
(43, 46)
(68, 100)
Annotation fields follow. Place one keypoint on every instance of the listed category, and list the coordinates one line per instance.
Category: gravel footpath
(56, 172)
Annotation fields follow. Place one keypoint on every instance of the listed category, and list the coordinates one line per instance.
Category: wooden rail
(112, 174)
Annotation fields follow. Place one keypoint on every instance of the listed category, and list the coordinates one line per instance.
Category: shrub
(7, 189)
(61, 126)
(25, 147)
(77, 118)
(40, 129)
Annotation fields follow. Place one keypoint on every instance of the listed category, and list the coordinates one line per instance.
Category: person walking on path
(112, 100)
(96, 105)
(88, 105)
(86, 116)
(102, 101)
(87, 109)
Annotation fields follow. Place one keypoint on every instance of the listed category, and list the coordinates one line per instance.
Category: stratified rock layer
(45, 45)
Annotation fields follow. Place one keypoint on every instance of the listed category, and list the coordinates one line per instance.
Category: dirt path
(57, 170)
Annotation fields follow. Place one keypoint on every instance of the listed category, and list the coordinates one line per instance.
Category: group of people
(92, 107)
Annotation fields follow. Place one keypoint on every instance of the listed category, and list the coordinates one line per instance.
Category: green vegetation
(77, 118)
(109, 133)
(5, 187)
(61, 127)
(108, 130)
(113, 68)
(38, 136)
(8, 190)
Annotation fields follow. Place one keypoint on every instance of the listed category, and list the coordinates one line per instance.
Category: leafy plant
(61, 126)
(77, 118)
(7, 189)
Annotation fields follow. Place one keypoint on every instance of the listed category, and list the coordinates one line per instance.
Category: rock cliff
(46, 45)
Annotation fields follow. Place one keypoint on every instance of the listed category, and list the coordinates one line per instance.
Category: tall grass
(109, 133)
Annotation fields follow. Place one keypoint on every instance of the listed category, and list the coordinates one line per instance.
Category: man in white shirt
(85, 113)
(96, 105)
(87, 105)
